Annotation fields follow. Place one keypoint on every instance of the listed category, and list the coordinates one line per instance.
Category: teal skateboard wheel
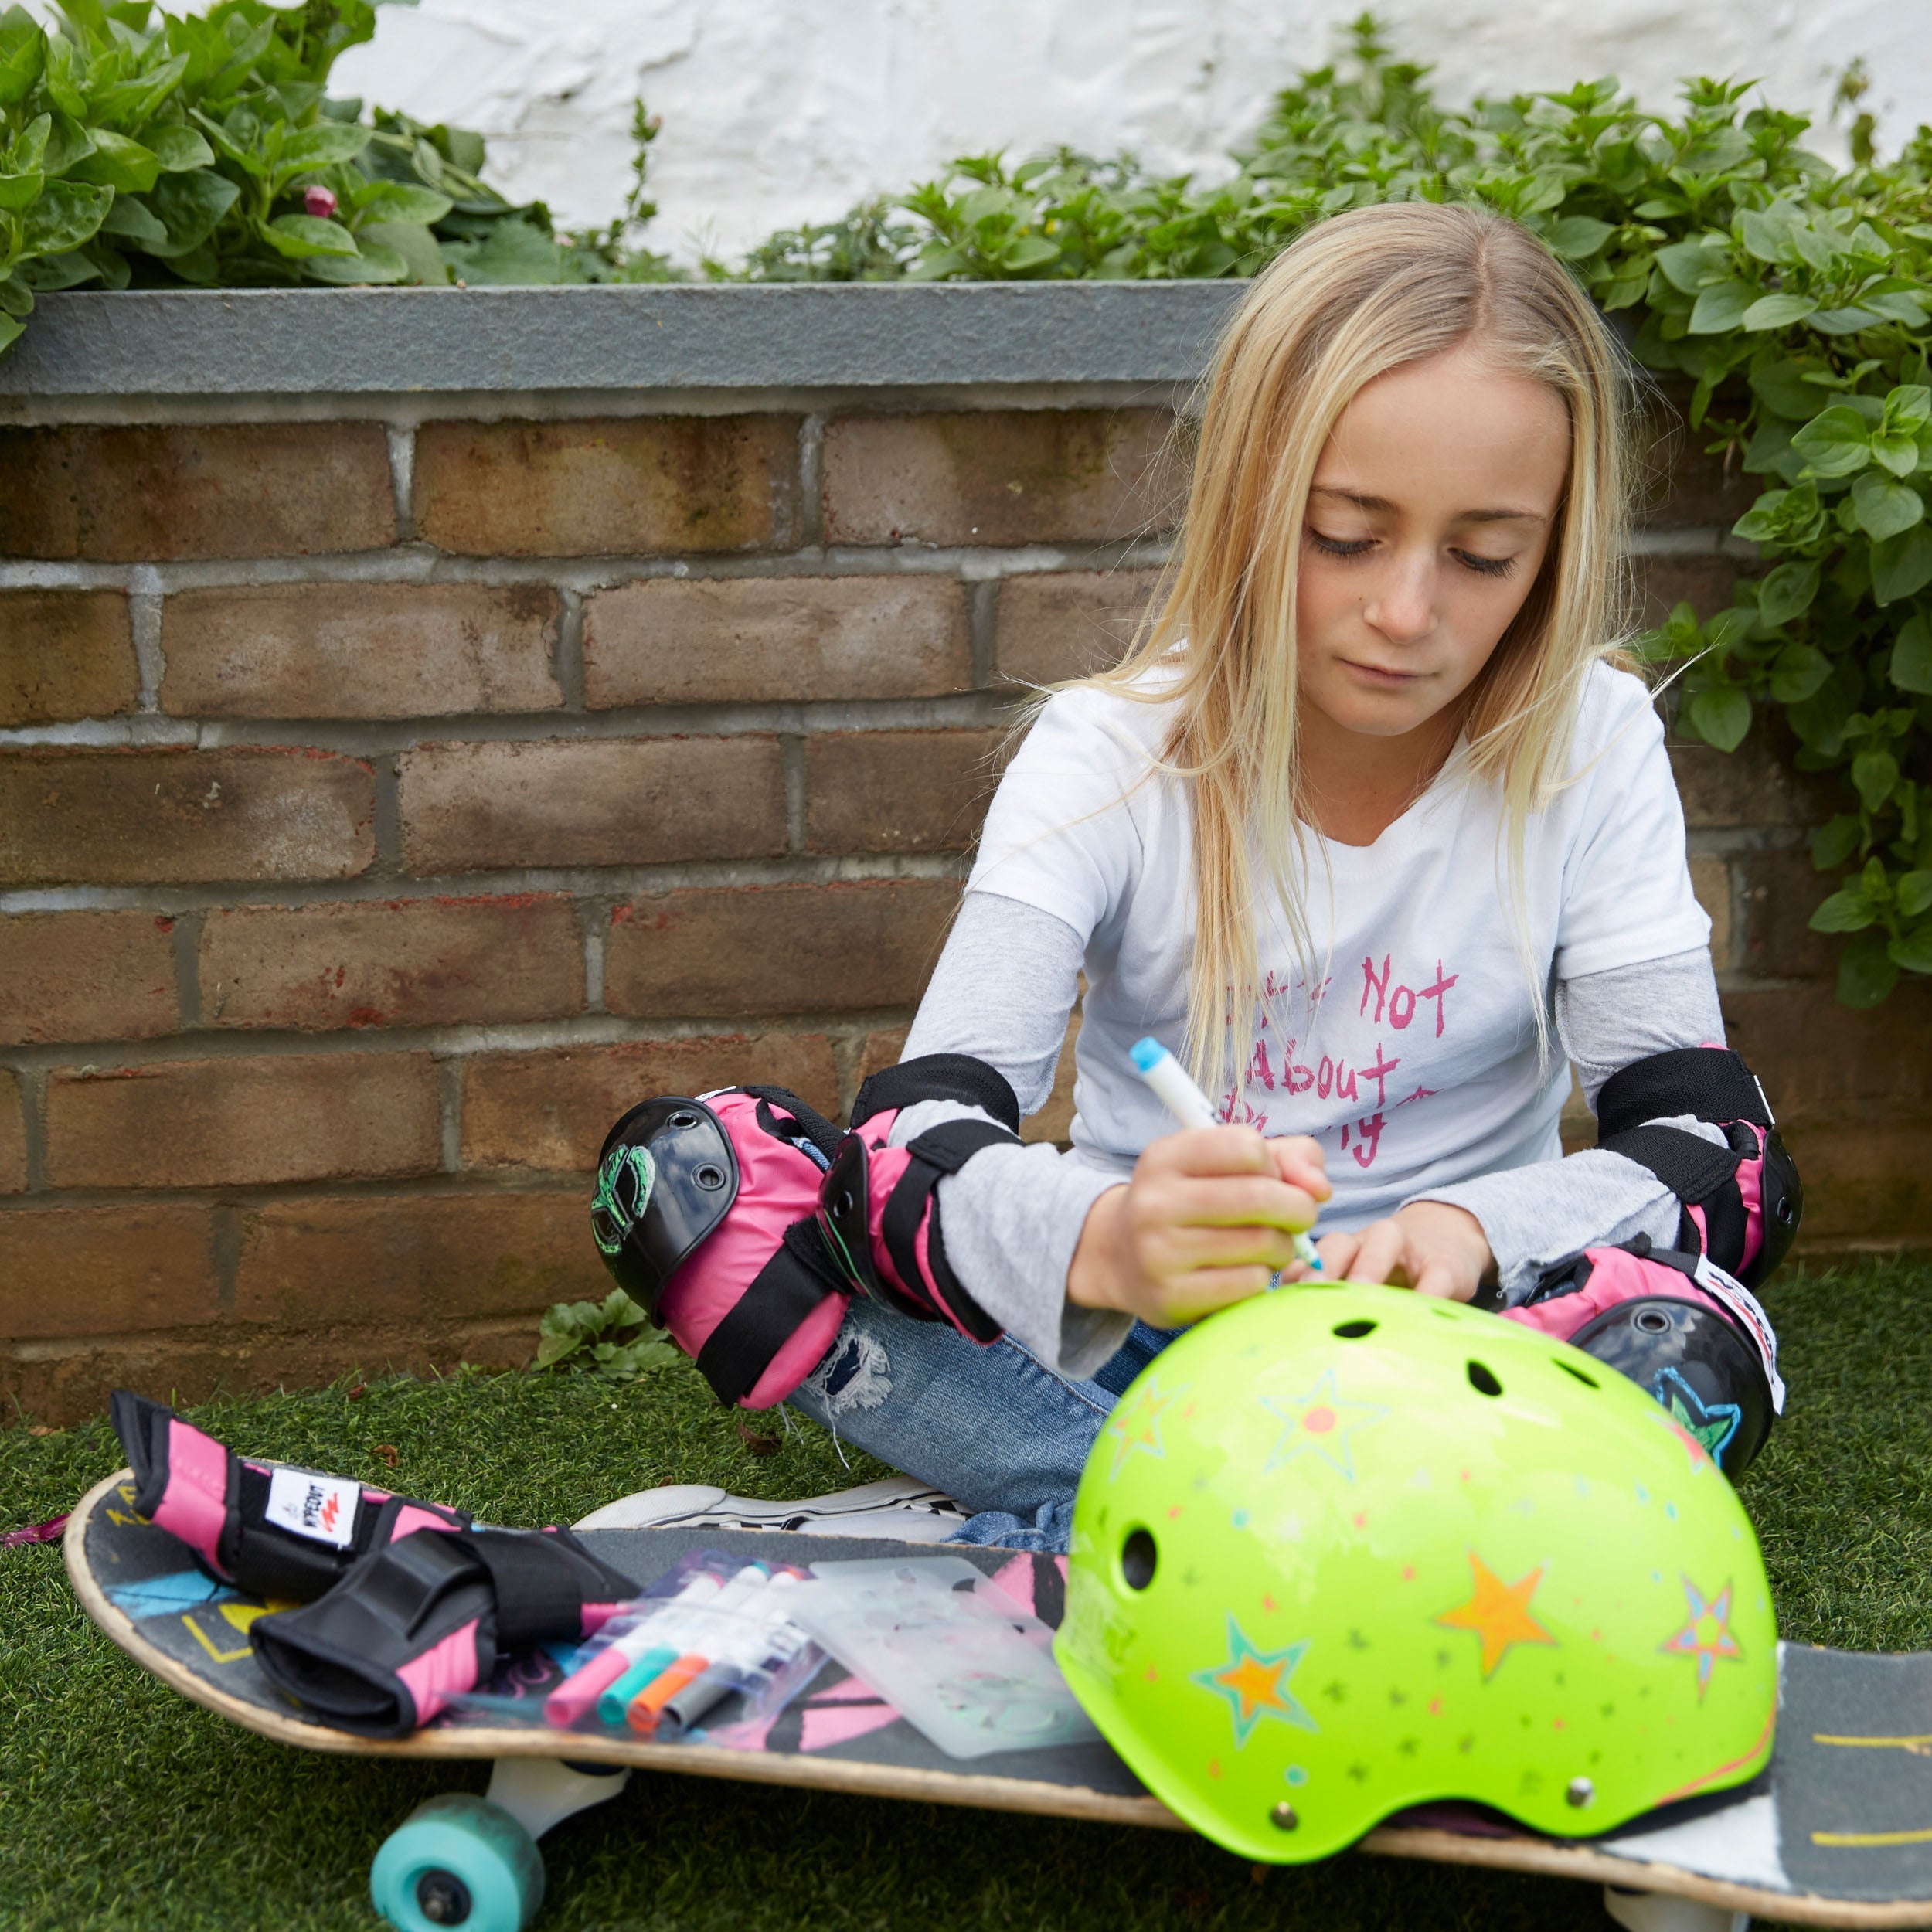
(458, 1861)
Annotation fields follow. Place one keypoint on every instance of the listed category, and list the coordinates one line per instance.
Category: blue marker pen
(1175, 1088)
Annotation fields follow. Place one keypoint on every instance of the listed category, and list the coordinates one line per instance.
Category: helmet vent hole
(1482, 1381)
(1138, 1557)
(683, 1118)
(1589, 1381)
(1652, 1320)
(709, 1176)
(1354, 1330)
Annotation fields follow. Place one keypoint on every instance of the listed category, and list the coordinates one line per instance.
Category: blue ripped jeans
(999, 1432)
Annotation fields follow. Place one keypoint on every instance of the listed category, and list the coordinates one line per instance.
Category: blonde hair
(1353, 298)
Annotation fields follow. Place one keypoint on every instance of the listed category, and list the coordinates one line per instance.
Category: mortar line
(33, 1119)
(225, 1246)
(185, 938)
(593, 917)
(388, 862)
(982, 625)
(450, 1098)
(567, 650)
(144, 624)
(811, 471)
(791, 749)
(401, 439)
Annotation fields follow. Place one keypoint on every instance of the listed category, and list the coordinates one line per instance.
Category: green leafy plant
(613, 1338)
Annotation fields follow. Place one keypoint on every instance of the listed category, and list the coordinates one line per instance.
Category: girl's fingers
(1382, 1256)
(1438, 1278)
(1299, 1160)
(1208, 1150)
(1251, 1201)
(1207, 1289)
(1338, 1253)
(1184, 1250)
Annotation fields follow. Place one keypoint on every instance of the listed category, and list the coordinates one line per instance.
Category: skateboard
(1836, 1832)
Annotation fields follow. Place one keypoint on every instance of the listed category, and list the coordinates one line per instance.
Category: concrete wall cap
(163, 342)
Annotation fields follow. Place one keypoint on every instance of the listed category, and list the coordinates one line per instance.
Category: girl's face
(1428, 518)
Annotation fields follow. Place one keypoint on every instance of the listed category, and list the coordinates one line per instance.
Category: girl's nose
(1402, 606)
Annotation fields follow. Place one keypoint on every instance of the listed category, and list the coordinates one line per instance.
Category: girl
(1370, 812)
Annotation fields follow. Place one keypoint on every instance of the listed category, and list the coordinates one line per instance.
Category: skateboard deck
(1836, 1832)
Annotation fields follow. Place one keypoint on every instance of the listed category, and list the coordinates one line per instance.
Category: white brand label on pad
(322, 1507)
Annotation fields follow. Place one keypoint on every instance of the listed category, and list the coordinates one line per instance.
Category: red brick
(1662, 583)
(777, 949)
(548, 1112)
(1868, 1177)
(598, 801)
(66, 1272)
(1819, 1060)
(13, 1134)
(1754, 785)
(975, 476)
(1064, 623)
(360, 650)
(140, 817)
(396, 962)
(777, 640)
(1679, 484)
(99, 976)
(1710, 881)
(222, 1123)
(195, 490)
(1781, 890)
(388, 1262)
(898, 790)
(65, 654)
(631, 486)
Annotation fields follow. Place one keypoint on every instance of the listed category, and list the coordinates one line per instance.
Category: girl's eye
(1338, 547)
(1488, 566)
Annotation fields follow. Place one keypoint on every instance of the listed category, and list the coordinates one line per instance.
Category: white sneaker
(899, 1507)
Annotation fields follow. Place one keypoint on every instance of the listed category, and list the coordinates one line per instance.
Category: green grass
(122, 1805)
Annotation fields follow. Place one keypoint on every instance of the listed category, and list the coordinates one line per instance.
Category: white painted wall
(779, 111)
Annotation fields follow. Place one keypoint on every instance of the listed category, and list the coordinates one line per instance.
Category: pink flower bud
(319, 202)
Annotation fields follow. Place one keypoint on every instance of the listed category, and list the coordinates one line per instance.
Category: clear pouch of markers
(710, 1641)
(957, 1656)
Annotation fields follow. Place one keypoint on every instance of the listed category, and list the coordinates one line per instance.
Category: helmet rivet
(1282, 1816)
(1580, 1792)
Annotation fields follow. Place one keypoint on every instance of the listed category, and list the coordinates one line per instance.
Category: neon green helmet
(1344, 1550)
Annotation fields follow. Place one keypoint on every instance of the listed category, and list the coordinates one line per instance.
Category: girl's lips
(1383, 680)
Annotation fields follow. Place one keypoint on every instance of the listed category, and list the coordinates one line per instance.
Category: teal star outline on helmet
(1255, 1683)
(1713, 1424)
(1317, 1422)
(1141, 1429)
(607, 1211)
(1706, 1644)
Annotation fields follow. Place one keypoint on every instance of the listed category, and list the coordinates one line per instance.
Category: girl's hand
(1427, 1246)
(1206, 1220)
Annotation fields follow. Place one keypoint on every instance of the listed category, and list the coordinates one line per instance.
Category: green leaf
(299, 236)
(1866, 972)
(1884, 508)
(399, 201)
(1032, 251)
(66, 215)
(1720, 310)
(17, 191)
(1722, 716)
(1913, 951)
(1577, 237)
(118, 163)
(1902, 564)
(1688, 265)
(46, 273)
(190, 207)
(321, 146)
(1914, 892)
(23, 52)
(1787, 593)
(130, 220)
(1835, 841)
(1912, 655)
(1798, 670)
(68, 144)
(1874, 773)
(1845, 321)
(1848, 911)
(16, 298)
(516, 252)
(179, 149)
(9, 332)
(1835, 443)
(372, 264)
(421, 256)
(1777, 311)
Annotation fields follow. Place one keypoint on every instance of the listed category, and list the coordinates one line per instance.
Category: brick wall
(385, 803)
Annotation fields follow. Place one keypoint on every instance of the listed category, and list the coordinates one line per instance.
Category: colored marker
(772, 1644)
(672, 1640)
(574, 1698)
(1174, 1087)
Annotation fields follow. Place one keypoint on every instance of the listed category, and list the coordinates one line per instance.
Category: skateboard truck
(1657, 1912)
(473, 1862)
